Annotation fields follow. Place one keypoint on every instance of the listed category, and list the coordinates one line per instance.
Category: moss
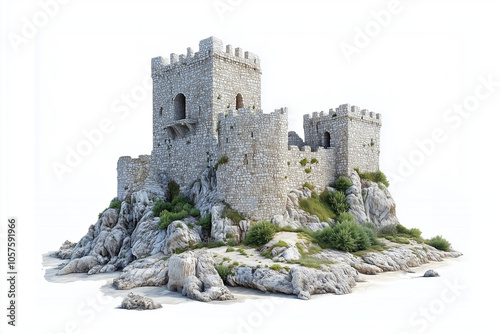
(223, 160)
(303, 162)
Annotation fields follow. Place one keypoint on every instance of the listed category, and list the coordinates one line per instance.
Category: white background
(69, 75)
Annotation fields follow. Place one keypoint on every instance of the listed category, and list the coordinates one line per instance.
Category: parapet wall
(252, 181)
(132, 174)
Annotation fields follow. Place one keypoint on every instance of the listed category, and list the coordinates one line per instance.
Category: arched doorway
(239, 102)
(179, 107)
(326, 140)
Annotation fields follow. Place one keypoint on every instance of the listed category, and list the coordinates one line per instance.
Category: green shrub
(167, 217)
(223, 271)
(174, 188)
(234, 215)
(223, 160)
(260, 233)
(232, 242)
(115, 205)
(194, 212)
(161, 206)
(215, 244)
(303, 162)
(338, 202)
(230, 249)
(390, 229)
(439, 242)
(310, 262)
(206, 223)
(314, 161)
(190, 225)
(187, 207)
(377, 177)
(346, 217)
(342, 184)
(307, 170)
(308, 185)
(347, 236)
(179, 200)
(280, 243)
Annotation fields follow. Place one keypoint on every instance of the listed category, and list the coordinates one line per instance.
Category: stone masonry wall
(322, 170)
(132, 174)
(253, 179)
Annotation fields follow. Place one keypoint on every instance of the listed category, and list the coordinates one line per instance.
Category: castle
(207, 113)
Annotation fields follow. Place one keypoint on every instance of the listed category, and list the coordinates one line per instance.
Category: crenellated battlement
(208, 48)
(351, 111)
(249, 113)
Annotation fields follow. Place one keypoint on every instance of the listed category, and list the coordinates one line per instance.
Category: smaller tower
(352, 133)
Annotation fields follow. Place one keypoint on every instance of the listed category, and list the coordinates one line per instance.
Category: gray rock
(81, 265)
(431, 273)
(180, 237)
(66, 250)
(151, 271)
(138, 302)
(194, 276)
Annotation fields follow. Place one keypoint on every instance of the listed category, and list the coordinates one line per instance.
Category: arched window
(239, 101)
(179, 107)
(326, 139)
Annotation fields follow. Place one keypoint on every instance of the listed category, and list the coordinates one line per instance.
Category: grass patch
(223, 160)
(377, 177)
(230, 249)
(307, 170)
(318, 206)
(308, 185)
(234, 215)
(276, 267)
(303, 162)
(311, 262)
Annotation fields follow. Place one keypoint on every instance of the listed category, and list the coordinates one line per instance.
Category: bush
(342, 184)
(174, 188)
(439, 242)
(303, 162)
(276, 267)
(260, 233)
(307, 170)
(347, 236)
(206, 223)
(167, 217)
(314, 161)
(115, 205)
(338, 202)
(223, 271)
(161, 206)
(387, 230)
(194, 212)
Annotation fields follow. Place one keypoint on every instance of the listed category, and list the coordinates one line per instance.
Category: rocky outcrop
(194, 276)
(66, 250)
(180, 236)
(392, 259)
(370, 202)
(151, 271)
(300, 281)
(138, 302)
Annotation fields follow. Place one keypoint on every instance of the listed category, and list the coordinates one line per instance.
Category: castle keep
(207, 112)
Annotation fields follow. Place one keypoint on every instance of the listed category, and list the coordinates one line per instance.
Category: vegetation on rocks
(260, 233)
(439, 242)
(376, 177)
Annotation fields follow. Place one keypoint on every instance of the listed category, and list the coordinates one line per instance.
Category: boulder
(138, 302)
(431, 273)
(180, 237)
(151, 271)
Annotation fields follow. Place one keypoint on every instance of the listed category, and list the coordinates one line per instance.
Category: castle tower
(251, 176)
(353, 134)
(189, 92)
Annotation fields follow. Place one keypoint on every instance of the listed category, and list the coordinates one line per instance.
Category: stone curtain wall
(321, 173)
(253, 179)
(132, 174)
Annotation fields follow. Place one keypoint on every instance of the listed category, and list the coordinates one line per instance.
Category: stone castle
(207, 113)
